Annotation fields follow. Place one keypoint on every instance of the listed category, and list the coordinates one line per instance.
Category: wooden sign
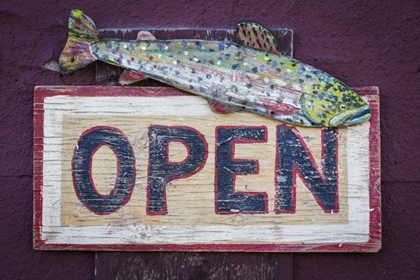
(147, 169)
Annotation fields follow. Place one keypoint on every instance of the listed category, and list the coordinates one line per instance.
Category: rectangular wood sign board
(152, 169)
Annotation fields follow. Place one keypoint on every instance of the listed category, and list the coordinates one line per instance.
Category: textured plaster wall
(361, 42)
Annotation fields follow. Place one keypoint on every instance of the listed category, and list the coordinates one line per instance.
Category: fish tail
(82, 33)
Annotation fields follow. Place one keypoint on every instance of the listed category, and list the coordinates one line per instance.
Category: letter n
(294, 158)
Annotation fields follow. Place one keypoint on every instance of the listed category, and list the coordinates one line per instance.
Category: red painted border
(375, 226)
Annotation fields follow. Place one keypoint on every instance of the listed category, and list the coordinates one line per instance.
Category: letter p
(161, 171)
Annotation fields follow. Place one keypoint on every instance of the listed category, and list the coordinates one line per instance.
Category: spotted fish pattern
(250, 76)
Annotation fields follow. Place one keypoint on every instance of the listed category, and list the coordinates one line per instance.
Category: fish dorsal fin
(145, 35)
(256, 36)
(220, 108)
(129, 77)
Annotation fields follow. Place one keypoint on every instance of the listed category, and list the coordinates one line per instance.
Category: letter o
(89, 142)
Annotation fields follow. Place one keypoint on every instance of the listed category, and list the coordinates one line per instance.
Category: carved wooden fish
(251, 76)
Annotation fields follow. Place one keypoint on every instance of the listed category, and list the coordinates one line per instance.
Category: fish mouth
(352, 117)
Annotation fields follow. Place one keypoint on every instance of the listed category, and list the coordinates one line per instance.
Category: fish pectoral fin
(256, 36)
(220, 108)
(145, 35)
(129, 77)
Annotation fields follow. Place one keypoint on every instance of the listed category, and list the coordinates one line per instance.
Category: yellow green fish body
(230, 75)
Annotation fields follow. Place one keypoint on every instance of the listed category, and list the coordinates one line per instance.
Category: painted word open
(292, 158)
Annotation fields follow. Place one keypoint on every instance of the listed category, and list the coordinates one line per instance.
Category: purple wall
(360, 42)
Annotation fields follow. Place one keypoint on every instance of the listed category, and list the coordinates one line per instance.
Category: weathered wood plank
(188, 207)
(106, 74)
(124, 265)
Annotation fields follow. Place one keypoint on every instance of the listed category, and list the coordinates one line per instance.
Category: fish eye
(342, 106)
